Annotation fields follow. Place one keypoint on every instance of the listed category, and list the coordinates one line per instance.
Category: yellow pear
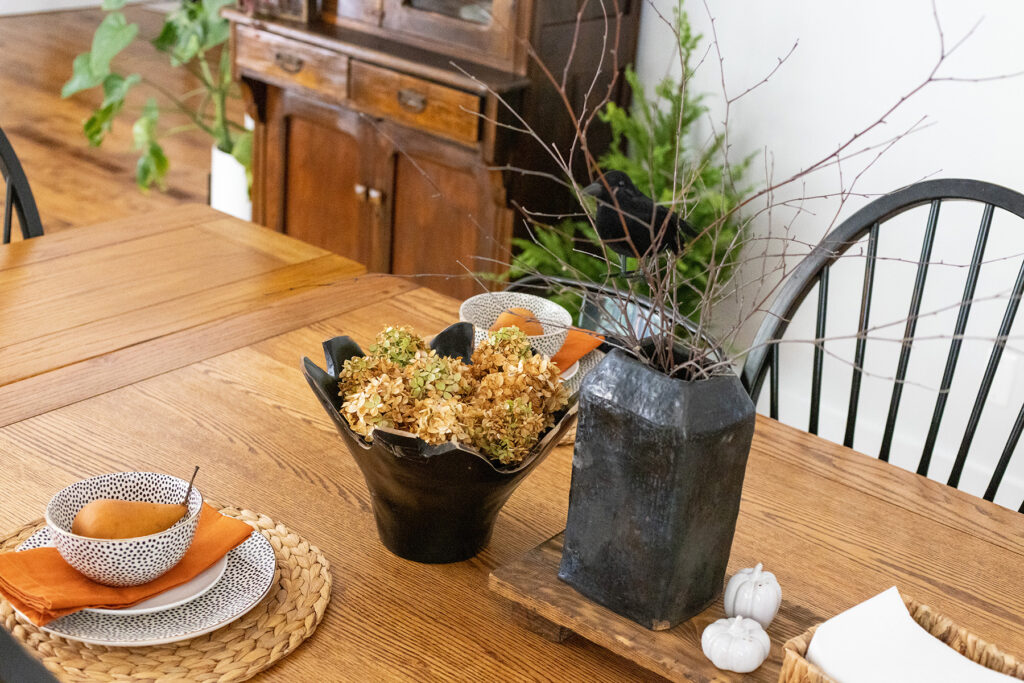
(106, 518)
(523, 318)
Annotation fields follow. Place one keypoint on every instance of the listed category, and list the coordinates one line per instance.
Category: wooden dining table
(175, 339)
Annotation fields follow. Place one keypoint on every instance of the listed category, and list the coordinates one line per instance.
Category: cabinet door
(365, 11)
(443, 217)
(325, 192)
(482, 30)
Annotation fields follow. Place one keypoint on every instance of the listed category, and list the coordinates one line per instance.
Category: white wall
(853, 61)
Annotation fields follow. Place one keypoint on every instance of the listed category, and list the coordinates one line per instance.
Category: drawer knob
(413, 101)
(289, 63)
(360, 191)
(376, 197)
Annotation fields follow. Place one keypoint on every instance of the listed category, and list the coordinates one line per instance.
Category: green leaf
(193, 29)
(153, 164)
(242, 151)
(82, 76)
(152, 168)
(112, 35)
(144, 130)
(167, 37)
(115, 89)
(91, 68)
(114, 4)
(216, 27)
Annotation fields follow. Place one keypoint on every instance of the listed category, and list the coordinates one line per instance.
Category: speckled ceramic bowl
(125, 561)
(483, 310)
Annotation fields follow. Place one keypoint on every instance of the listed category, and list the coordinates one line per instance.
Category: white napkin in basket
(878, 641)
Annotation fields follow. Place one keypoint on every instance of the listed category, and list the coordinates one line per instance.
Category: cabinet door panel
(367, 11)
(322, 206)
(485, 32)
(440, 219)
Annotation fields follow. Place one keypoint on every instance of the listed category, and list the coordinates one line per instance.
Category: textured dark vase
(431, 503)
(657, 475)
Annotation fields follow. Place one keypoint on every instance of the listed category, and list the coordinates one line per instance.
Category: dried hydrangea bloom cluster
(500, 404)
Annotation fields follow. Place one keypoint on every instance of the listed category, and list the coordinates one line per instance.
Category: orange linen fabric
(578, 343)
(43, 587)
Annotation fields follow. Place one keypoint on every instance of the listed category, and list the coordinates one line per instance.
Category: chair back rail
(814, 271)
(18, 199)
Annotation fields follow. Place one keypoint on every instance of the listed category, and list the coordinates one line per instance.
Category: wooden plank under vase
(553, 609)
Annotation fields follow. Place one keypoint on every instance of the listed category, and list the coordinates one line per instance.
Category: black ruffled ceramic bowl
(432, 503)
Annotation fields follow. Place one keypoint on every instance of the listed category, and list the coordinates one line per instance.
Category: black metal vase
(432, 503)
(656, 481)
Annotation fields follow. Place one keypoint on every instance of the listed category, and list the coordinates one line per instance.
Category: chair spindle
(1004, 459)
(8, 208)
(862, 326)
(986, 381)
(819, 351)
(957, 342)
(773, 409)
(908, 333)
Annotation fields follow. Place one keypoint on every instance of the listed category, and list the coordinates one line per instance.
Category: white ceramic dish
(483, 310)
(123, 561)
(247, 579)
(172, 597)
(570, 372)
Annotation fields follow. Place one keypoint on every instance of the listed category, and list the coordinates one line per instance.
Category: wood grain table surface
(176, 339)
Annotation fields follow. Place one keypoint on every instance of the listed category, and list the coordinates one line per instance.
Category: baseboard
(10, 7)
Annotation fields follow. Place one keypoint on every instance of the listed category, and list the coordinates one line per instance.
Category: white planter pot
(229, 189)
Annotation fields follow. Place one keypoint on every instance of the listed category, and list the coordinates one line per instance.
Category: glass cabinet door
(366, 11)
(481, 30)
(475, 11)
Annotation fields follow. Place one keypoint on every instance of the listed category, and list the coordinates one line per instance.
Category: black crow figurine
(652, 228)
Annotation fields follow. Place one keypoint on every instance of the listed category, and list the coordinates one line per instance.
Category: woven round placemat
(269, 632)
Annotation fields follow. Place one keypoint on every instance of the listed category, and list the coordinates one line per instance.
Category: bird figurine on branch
(632, 224)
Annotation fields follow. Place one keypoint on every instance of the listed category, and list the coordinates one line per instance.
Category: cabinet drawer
(288, 63)
(415, 102)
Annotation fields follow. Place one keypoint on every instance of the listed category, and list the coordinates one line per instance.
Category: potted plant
(193, 37)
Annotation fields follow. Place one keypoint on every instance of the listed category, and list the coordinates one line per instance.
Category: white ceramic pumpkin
(755, 594)
(737, 644)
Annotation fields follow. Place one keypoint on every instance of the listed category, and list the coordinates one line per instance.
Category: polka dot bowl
(483, 310)
(126, 561)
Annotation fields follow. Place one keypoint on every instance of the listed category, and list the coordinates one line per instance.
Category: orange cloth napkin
(578, 343)
(43, 587)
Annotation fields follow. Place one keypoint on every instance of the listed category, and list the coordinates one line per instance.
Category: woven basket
(796, 669)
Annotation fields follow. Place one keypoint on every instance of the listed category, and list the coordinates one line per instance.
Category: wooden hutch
(382, 125)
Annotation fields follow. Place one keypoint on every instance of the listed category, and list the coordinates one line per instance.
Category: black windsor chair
(17, 665)
(814, 271)
(19, 197)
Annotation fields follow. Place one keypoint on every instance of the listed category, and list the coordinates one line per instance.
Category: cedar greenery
(193, 37)
(649, 143)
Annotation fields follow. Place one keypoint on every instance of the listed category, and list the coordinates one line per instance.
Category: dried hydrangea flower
(507, 346)
(438, 421)
(500, 404)
(507, 431)
(535, 378)
(357, 371)
(377, 404)
(398, 344)
(439, 377)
